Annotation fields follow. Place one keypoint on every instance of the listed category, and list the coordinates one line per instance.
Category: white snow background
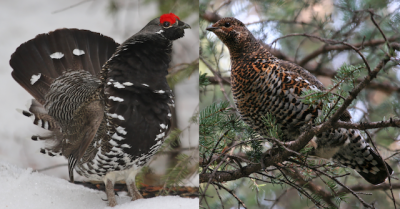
(22, 188)
(22, 20)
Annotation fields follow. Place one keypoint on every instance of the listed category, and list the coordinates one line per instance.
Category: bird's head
(168, 25)
(232, 32)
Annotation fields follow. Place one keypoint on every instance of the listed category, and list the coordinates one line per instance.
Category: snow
(22, 188)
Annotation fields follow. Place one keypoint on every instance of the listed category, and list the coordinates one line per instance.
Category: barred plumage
(263, 84)
(106, 105)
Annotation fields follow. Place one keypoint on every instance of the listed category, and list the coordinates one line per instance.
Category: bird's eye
(227, 24)
(166, 24)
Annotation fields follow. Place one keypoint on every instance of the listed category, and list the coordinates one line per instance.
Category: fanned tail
(43, 66)
(39, 61)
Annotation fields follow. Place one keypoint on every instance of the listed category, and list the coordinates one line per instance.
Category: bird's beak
(211, 28)
(185, 26)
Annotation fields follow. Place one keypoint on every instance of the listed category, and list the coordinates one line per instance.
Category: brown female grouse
(106, 105)
(263, 84)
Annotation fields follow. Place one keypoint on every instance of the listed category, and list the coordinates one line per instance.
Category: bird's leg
(130, 183)
(109, 184)
(133, 191)
(110, 193)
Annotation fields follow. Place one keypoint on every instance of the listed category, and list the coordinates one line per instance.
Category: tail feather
(358, 155)
(40, 117)
(39, 61)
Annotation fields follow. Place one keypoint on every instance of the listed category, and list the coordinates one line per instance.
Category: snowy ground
(22, 188)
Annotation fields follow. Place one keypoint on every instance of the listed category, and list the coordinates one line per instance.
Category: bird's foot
(112, 201)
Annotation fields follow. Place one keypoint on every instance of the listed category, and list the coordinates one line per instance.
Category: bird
(264, 85)
(106, 106)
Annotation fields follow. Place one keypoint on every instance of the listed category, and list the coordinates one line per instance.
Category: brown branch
(344, 187)
(282, 21)
(331, 42)
(215, 80)
(371, 12)
(72, 6)
(278, 198)
(233, 194)
(316, 189)
(364, 126)
(326, 49)
(217, 76)
(274, 156)
(211, 16)
(353, 93)
(370, 187)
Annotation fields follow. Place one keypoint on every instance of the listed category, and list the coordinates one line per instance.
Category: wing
(137, 94)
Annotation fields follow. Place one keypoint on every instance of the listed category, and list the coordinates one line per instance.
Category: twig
(72, 6)
(364, 126)
(386, 168)
(345, 187)
(371, 12)
(215, 147)
(278, 198)
(51, 167)
(217, 76)
(328, 41)
(220, 199)
(311, 186)
(327, 48)
(233, 194)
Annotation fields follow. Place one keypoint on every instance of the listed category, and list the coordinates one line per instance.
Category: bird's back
(263, 84)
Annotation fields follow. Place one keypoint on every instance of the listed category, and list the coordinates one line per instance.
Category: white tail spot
(35, 78)
(114, 115)
(78, 52)
(127, 84)
(159, 91)
(117, 99)
(56, 55)
(118, 85)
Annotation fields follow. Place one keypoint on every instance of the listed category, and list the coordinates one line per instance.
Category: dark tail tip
(378, 177)
(26, 113)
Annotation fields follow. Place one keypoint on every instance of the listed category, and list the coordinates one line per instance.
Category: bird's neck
(250, 51)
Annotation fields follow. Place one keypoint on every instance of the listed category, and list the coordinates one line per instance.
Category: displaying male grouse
(106, 105)
(263, 84)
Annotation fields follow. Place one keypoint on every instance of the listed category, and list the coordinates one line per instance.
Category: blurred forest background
(22, 20)
(305, 187)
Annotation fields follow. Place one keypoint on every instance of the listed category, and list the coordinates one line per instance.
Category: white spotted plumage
(35, 78)
(56, 55)
(117, 99)
(78, 52)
